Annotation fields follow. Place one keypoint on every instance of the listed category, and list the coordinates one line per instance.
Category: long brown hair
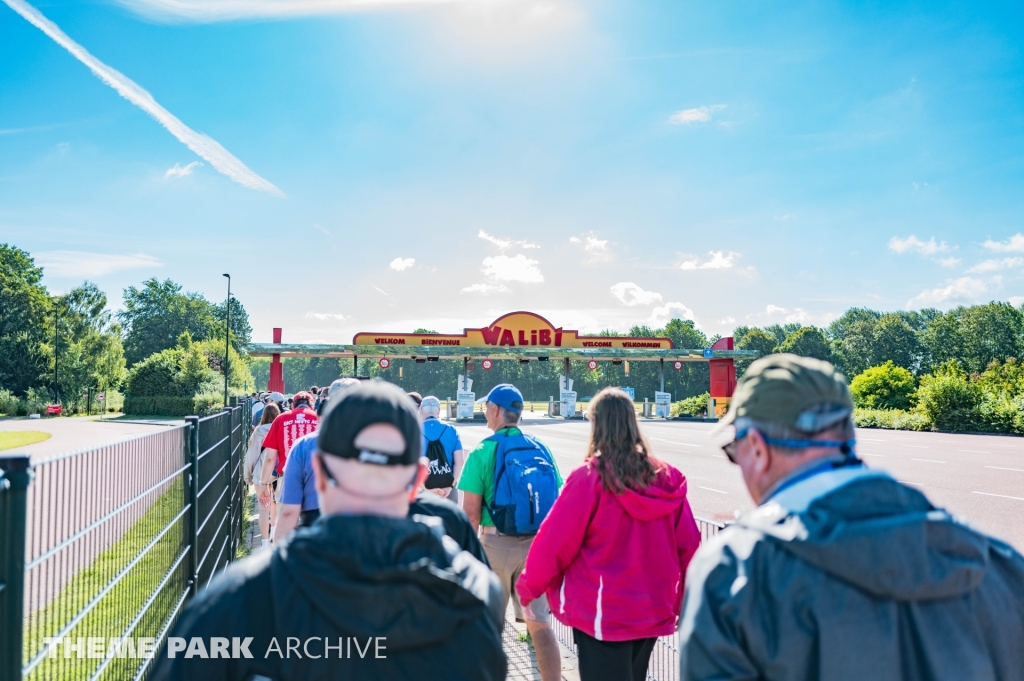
(270, 412)
(619, 449)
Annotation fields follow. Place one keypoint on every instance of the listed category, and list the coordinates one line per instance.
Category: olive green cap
(788, 390)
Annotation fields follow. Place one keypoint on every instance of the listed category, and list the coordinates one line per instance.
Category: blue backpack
(525, 484)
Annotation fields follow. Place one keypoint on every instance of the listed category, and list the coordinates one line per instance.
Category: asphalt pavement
(977, 477)
(78, 433)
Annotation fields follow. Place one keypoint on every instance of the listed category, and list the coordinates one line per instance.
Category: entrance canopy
(517, 335)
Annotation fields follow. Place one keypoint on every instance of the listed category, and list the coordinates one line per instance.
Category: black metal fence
(100, 549)
(664, 665)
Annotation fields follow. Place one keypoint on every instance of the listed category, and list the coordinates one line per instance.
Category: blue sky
(388, 165)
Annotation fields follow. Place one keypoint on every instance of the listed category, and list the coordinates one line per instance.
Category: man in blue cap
(504, 469)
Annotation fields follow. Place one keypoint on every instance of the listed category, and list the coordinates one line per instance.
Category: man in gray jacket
(841, 572)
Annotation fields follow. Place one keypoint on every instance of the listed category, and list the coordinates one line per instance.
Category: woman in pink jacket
(612, 553)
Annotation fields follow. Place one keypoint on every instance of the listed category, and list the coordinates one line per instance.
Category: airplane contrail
(203, 145)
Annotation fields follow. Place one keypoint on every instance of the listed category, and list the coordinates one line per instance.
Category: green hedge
(163, 405)
(894, 419)
(691, 406)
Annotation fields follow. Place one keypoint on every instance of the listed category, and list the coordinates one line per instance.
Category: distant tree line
(955, 370)
(59, 348)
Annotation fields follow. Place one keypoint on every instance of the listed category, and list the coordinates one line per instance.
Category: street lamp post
(227, 338)
(56, 340)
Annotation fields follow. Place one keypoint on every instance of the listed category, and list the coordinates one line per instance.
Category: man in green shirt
(507, 553)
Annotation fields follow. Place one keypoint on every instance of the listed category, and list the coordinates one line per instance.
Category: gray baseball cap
(790, 390)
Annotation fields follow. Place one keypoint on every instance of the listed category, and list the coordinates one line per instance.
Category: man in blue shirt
(435, 430)
(299, 503)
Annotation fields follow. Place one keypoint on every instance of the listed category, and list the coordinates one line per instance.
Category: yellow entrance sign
(516, 329)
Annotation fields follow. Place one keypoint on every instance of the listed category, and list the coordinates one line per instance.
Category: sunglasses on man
(730, 448)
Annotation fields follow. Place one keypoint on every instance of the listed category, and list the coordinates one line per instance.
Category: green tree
(840, 328)
(781, 332)
(89, 351)
(754, 339)
(893, 339)
(25, 321)
(975, 336)
(886, 386)
(155, 315)
(241, 332)
(949, 398)
(807, 341)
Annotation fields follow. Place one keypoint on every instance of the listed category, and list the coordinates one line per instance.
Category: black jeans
(307, 518)
(612, 660)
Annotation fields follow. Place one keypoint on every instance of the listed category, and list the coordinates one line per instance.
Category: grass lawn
(123, 603)
(9, 439)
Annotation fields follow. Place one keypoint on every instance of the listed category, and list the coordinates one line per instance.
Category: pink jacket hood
(612, 565)
(664, 496)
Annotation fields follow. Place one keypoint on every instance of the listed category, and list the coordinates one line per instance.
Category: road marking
(1004, 496)
(907, 482)
(710, 489)
(916, 446)
(866, 454)
(868, 439)
(1000, 468)
(973, 451)
(929, 460)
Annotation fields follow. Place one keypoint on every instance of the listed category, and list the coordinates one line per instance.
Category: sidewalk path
(77, 433)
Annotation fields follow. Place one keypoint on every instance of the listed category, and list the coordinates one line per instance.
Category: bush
(164, 405)
(885, 386)
(691, 406)
(950, 400)
(893, 419)
(155, 375)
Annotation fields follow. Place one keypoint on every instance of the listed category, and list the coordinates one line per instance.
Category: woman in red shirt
(612, 553)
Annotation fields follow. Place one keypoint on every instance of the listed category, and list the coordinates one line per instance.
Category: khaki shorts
(507, 556)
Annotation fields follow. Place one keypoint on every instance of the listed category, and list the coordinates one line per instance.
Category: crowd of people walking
(394, 553)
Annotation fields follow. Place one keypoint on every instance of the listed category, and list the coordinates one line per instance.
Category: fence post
(15, 475)
(233, 468)
(193, 493)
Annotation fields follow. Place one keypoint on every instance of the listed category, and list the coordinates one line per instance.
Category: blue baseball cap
(506, 396)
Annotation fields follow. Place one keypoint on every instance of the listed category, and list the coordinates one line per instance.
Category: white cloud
(590, 243)
(401, 264)
(226, 10)
(487, 289)
(630, 294)
(83, 264)
(518, 268)
(204, 146)
(948, 262)
(997, 264)
(966, 289)
(1015, 244)
(719, 261)
(701, 114)
(182, 171)
(727, 320)
(663, 314)
(1016, 301)
(505, 244)
(914, 245)
(774, 314)
(322, 316)
(596, 250)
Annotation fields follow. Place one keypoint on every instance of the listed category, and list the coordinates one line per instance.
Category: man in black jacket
(841, 573)
(365, 593)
